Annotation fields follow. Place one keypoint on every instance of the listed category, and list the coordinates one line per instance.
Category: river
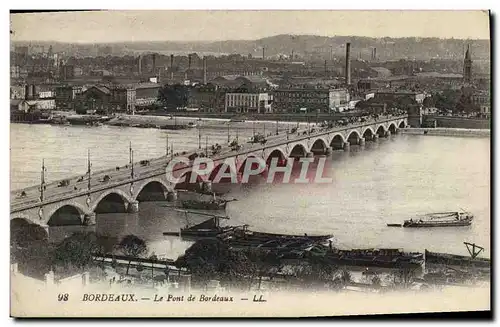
(379, 183)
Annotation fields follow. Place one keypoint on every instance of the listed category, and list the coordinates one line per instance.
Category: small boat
(394, 225)
(441, 219)
(202, 205)
(207, 228)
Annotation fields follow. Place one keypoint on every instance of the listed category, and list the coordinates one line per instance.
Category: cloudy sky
(109, 26)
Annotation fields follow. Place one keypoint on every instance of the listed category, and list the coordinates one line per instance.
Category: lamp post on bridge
(166, 147)
(88, 169)
(42, 180)
(131, 157)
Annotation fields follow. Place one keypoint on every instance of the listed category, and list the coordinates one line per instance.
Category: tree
(133, 247)
(174, 96)
(77, 251)
(208, 259)
(153, 257)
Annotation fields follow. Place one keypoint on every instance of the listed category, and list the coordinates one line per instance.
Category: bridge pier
(361, 141)
(309, 154)
(328, 150)
(387, 133)
(375, 138)
(206, 186)
(133, 207)
(347, 145)
(396, 131)
(89, 219)
(172, 196)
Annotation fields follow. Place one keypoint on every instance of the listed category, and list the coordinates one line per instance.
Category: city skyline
(153, 26)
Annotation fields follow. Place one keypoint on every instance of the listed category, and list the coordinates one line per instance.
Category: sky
(163, 25)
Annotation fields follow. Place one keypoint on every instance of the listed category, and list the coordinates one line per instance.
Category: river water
(379, 183)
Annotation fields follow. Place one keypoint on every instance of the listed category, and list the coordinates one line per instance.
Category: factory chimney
(172, 67)
(204, 70)
(140, 64)
(348, 63)
(374, 53)
(154, 63)
(263, 53)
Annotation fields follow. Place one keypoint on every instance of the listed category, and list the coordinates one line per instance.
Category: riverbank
(447, 132)
(282, 117)
(202, 123)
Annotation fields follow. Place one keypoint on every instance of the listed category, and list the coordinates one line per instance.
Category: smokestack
(374, 53)
(326, 71)
(140, 65)
(171, 66)
(263, 53)
(189, 62)
(292, 56)
(154, 62)
(348, 63)
(204, 70)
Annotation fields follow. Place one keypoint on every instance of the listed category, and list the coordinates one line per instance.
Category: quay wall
(447, 132)
(459, 122)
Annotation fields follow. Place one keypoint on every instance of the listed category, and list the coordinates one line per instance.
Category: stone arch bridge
(123, 191)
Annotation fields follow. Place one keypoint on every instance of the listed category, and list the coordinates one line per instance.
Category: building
(18, 91)
(389, 96)
(95, 99)
(123, 99)
(207, 98)
(312, 99)
(66, 72)
(77, 72)
(483, 100)
(65, 96)
(42, 104)
(19, 105)
(146, 94)
(18, 72)
(250, 82)
(248, 103)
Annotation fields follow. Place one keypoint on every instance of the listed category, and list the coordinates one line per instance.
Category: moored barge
(441, 219)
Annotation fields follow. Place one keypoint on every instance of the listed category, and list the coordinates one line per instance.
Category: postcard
(249, 163)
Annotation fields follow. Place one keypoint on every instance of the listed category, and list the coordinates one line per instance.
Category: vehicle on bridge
(63, 183)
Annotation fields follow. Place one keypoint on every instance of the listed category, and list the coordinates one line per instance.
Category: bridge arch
(353, 137)
(152, 190)
(337, 141)
(298, 150)
(392, 128)
(319, 146)
(66, 214)
(276, 153)
(380, 130)
(402, 124)
(112, 201)
(368, 133)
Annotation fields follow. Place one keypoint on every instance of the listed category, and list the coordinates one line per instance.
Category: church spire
(467, 66)
(467, 53)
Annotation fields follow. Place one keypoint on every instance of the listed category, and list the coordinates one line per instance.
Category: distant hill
(304, 45)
